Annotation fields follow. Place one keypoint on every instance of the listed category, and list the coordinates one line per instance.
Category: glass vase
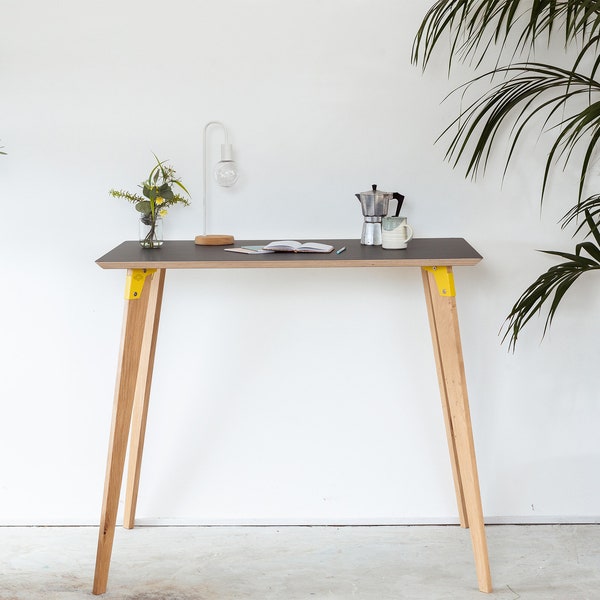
(151, 232)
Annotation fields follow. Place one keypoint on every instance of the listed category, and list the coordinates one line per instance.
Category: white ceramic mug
(395, 233)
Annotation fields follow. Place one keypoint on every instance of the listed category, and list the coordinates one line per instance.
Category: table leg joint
(134, 283)
(444, 279)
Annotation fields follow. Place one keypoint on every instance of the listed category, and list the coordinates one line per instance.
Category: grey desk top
(186, 255)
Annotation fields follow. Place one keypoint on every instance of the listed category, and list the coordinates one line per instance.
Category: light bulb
(226, 173)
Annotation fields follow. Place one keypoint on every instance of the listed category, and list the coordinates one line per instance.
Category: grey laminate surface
(185, 254)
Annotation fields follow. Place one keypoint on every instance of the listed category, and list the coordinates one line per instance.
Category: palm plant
(521, 92)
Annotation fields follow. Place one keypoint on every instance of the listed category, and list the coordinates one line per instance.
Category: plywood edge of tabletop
(304, 264)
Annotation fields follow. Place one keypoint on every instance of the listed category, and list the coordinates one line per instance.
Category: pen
(340, 250)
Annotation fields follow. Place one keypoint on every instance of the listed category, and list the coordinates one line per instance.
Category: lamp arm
(205, 167)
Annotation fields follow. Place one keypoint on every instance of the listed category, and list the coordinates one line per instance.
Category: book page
(315, 247)
(283, 246)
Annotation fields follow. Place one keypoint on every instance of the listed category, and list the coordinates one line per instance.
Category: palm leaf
(526, 91)
(590, 206)
(553, 284)
(473, 24)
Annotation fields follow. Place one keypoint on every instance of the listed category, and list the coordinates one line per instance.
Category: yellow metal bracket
(444, 278)
(135, 282)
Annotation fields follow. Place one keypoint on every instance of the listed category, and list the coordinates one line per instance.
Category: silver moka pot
(375, 205)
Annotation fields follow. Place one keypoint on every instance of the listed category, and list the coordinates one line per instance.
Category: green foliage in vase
(158, 192)
(522, 90)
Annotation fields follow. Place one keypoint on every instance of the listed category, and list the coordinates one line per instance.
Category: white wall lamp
(225, 174)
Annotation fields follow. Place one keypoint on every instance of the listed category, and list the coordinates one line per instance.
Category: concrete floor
(540, 562)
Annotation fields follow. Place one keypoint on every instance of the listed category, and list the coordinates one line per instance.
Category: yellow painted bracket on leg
(444, 278)
(135, 282)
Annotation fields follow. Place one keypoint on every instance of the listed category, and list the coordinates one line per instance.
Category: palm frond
(473, 24)
(591, 205)
(553, 284)
(528, 90)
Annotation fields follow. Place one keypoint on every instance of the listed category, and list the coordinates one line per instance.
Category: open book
(292, 246)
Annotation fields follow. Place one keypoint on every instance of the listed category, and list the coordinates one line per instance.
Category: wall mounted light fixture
(225, 174)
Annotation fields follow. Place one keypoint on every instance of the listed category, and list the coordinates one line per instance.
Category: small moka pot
(375, 205)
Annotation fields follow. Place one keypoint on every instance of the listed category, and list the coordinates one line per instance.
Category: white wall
(321, 101)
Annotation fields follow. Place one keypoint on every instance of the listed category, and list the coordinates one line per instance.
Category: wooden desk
(146, 270)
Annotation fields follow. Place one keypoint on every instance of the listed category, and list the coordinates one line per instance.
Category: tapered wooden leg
(458, 488)
(132, 336)
(142, 396)
(445, 334)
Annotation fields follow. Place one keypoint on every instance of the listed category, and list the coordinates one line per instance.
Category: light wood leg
(142, 396)
(445, 333)
(458, 488)
(132, 335)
